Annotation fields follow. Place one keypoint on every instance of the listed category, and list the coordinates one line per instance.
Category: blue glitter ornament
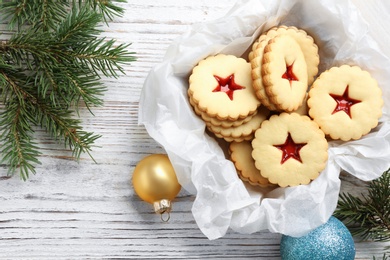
(330, 241)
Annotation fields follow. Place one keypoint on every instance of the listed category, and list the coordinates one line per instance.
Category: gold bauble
(155, 181)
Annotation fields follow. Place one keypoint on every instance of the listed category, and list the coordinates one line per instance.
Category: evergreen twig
(384, 257)
(53, 61)
(108, 8)
(47, 14)
(368, 217)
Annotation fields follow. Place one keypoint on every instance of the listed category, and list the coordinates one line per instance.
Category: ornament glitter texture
(330, 241)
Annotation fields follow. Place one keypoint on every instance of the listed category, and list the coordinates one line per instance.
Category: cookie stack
(221, 93)
(284, 62)
(275, 113)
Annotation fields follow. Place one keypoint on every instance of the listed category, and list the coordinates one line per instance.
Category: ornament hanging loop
(168, 216)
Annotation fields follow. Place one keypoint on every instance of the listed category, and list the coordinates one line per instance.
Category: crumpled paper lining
(222, 199)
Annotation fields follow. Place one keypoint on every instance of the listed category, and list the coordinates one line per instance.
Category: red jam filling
(289, 74)
(344, 102)
(290, 149)
(227, 85)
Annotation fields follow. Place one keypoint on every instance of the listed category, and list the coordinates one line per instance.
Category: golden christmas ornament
(155, 181)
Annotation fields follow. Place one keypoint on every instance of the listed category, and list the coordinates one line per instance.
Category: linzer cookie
(240, 155)
(221, 87)
(303, 110)
(242, 132)
(256, 59)
(284, 73)
(220, 123)
(345, 102)
(305, 41)
(289, 149)
(307, 44)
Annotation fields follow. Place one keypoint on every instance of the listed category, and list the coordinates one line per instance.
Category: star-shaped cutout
(290, 149)
(289, 74)
(344, 102)
(227, 85)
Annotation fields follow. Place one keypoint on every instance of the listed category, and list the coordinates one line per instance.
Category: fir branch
(368, 217)
(46, 15)
(18, 148)
(100, 55)
(384, 257)
(24, 47)
(85, 85)
(108, 8)
(60, 124)
(79, 25)
(48, 67)
(77, 49)
(39, 14)
(26, 110)
(66, 81)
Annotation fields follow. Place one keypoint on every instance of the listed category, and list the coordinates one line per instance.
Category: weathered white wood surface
(86, 210)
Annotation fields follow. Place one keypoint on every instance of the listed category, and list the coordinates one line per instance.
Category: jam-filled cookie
(305, 41)
(290, 149)
(345, 102)
(303, 110)
(284, 73)
(307, 44)
(256, 59)
(221, 87)
(242, 132)
(240, 155)
(217, 122)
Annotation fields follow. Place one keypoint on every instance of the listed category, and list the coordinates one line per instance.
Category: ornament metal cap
(161, 207)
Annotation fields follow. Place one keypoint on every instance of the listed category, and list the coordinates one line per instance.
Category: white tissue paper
(222, 200)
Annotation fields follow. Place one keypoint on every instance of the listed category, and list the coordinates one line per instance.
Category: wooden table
(86, 210)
